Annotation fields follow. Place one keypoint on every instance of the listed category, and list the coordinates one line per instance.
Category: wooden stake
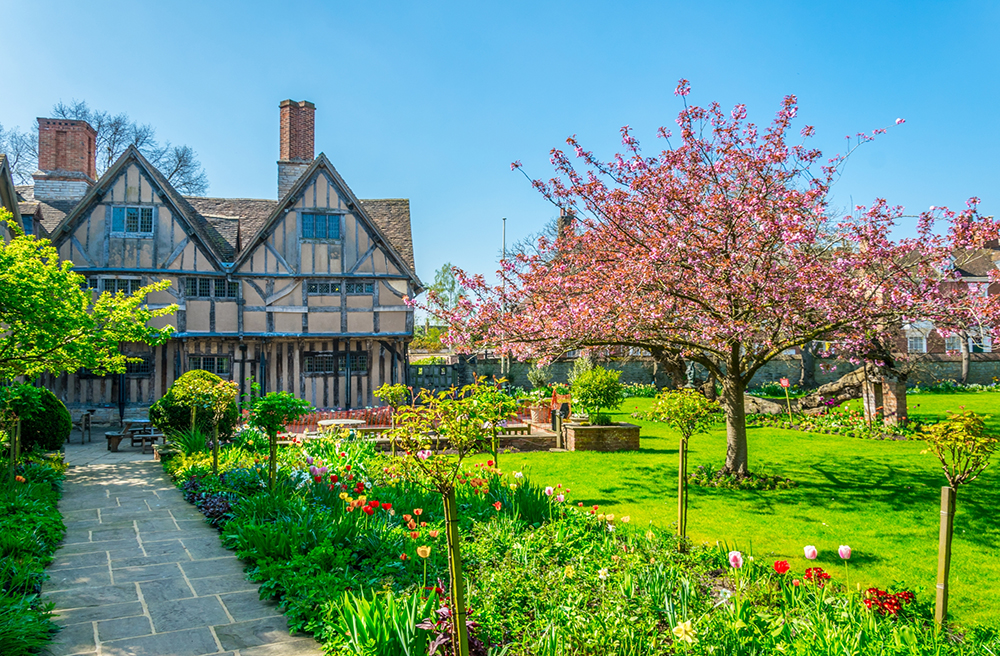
(682, 490)
(461, 633)
(272, 462)
(944, 553)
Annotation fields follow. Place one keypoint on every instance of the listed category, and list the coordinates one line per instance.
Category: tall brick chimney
(67, 153)
(297, 142)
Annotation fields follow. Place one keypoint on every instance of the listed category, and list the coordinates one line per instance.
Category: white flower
(518, 475)
(611, 528)
(602, 574)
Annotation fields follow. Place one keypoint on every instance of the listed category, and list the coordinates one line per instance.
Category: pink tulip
(811, 552)
(845, 552)
(549, 491)
(736, 559)
(560, 498)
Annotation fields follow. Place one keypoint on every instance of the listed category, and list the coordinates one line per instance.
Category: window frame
(318, 282)
(120, 217)
(952, 339)
(309, 224)
(909, 344)
(309, 363)
(215, 358)
(367, 285)
(213, 285)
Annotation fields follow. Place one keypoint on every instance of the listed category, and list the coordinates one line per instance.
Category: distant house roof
(8, 193)
(50, 213)
(976, 263)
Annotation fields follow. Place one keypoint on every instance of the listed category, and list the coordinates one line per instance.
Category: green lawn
(881, 498)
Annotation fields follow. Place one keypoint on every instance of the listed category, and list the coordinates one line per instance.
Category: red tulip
(386, 506)
(368, 510)
(497, 505)
(781, 566)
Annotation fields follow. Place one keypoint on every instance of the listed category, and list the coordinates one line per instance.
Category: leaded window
(321, 226)
(132, 221)
(322, 287)
(216, 364)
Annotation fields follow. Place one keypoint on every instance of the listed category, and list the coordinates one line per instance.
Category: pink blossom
(900, 121)
(516, 164)
(423, 454)
(844, 551)
(549, 491)
(560, 498)
(736, 559)
(811, 552)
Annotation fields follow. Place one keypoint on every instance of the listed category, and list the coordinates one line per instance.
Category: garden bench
(84, 424)
(516, 429)
(114, 439)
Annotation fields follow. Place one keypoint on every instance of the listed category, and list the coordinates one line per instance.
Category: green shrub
(188, 441)
(30, 530)
(48, 428)
(598, 389)
(172, 413)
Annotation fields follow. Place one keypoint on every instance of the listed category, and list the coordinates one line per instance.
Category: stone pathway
(140, 572)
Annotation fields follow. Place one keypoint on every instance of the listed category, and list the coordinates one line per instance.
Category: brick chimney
(66, 159)
(298, 119)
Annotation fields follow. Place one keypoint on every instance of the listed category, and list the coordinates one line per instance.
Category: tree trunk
(807, 376)
(215, 450)
(670, 364)
(272, 461)
(736, 426)
(460, 634)
(965, 358)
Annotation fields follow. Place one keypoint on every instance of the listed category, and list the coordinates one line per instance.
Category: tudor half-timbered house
(303, 294)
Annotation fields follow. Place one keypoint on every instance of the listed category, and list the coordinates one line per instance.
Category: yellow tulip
(424, 551)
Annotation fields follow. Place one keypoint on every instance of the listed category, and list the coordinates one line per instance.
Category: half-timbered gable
(303, 294)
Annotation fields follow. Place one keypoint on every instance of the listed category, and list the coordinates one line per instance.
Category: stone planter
(541, 414)
(616, 437)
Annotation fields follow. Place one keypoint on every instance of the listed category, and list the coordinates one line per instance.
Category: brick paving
(140, 573)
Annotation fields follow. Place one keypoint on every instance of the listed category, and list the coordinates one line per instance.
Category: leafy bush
(598, 389)
(30, 530)
(775, 390)
(430, 360)
(581, 365)
(187, 441)
(639, 390)
(709, 476)
(45, 423)
(952, 387)
(251, 438)
(172, 411)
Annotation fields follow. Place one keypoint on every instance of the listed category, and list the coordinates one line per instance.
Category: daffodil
(685, 633)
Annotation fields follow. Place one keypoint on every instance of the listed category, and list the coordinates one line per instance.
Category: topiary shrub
(172, 412)
(598, 389)
(47, 428)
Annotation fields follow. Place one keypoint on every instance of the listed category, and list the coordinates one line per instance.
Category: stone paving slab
(140, 573)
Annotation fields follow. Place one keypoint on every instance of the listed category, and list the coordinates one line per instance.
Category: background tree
(720, 248)
(21, 153)
(115, 133)
(50, 322)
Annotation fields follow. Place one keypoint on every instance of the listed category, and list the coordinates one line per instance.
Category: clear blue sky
(432, 101)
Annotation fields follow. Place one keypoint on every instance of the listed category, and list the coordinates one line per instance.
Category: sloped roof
(230, 227)
(52, 212)
(392, 215)
(976, 263)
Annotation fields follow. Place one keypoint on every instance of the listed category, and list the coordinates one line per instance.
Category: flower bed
(838, 421)
(615, 437)
(357, 558)
(30, 530)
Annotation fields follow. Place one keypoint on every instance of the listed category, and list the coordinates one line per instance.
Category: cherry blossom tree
(721, 249)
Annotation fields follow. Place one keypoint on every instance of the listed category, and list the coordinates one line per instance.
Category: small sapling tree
(495, 407)
(689, 413)
(394, 396)
(598, 389)
(455, 416)
(964, 447)
(270, 413)
(221, 398)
